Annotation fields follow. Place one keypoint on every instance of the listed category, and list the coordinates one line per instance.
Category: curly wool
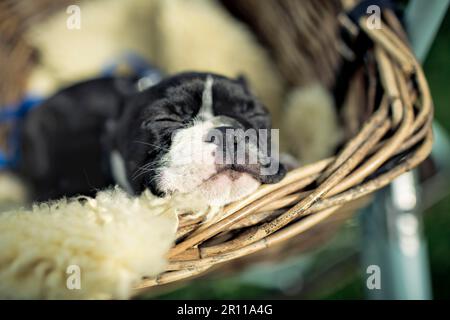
(114, 239)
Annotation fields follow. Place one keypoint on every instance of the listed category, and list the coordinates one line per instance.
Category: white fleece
(114, 239)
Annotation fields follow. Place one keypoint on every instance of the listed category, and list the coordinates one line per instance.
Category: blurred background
(336, 270)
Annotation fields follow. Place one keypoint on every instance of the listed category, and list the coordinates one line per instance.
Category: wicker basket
(388, 122)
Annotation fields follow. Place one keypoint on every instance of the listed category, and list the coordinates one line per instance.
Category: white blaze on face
(190, 163)
(206, 110)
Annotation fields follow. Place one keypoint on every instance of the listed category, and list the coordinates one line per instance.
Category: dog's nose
(236, 151)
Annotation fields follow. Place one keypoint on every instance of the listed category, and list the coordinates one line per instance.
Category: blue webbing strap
(14, 114)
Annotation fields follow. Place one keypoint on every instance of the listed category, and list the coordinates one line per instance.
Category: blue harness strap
(14, 114)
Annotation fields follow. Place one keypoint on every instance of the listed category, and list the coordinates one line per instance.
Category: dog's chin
(227, 186)
(219, 188)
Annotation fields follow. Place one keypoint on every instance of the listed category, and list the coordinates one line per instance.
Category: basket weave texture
(392, 134)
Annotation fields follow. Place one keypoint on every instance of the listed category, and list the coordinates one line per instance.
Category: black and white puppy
(105, 131)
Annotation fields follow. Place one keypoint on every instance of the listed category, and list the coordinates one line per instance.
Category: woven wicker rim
(401, 124)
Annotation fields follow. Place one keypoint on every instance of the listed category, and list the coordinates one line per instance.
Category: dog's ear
(242, 79)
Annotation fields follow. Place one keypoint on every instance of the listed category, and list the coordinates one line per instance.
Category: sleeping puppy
(189, 132)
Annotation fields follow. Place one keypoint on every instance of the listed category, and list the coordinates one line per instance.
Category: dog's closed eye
(166, 120)
(169, 118)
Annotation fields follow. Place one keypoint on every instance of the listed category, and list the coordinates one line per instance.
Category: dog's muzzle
(239, 150)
